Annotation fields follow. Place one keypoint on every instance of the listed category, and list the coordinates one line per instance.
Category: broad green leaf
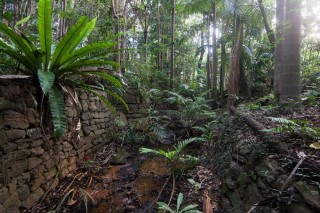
(189, 207)
(46, 80)
(58, 111)
(84, 51)
(45, 30)
(19, 44)
(164, 206)
(68, 42)
(22, 21)
(179, 201)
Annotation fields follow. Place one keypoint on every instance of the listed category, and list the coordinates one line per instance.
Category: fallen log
(258, 128)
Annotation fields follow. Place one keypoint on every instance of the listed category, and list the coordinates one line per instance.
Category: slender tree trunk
(172, 44)
(270, 32)
(159, 40)
(214, 55)
(290, 77)
(208, 68)
(202, 49)
(223, 67)
(233, 87)
(279, 47)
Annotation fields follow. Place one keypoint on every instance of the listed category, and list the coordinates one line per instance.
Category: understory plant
(301, 127)
(191, 208)
(57, 64)
(175, 156)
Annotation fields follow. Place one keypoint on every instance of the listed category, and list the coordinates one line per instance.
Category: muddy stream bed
(132, 187)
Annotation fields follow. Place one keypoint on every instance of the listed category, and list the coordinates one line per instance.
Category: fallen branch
(258, 128)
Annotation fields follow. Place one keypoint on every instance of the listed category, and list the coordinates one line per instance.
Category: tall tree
(290, 77)
(279, 46)
(214, 54)
(172, 44)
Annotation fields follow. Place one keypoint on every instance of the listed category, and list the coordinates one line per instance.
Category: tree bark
(233, 87)
(214, 56)
(172, 44)
(270, 32)
(279, 47)
(290, 77)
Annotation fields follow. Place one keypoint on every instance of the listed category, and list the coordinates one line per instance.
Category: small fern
(293, 126)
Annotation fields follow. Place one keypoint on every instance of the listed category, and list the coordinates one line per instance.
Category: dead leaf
(315, 145)
(207, 202)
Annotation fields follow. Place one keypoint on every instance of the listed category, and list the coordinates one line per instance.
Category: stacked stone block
(29, 159)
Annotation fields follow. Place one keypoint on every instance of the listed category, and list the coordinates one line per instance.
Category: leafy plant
(174, 155)
(294, 126)
(62, 63)
(188, 209)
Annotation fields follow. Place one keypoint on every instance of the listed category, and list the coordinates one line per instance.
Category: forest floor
(137, 183)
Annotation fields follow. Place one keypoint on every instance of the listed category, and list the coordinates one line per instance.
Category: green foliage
(176, 154)
(62, 63)
(191, 208)
(294, 126)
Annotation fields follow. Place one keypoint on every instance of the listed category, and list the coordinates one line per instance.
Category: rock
(15, 120)
(237, 203)
(36, 143)
(36, 183)
(13, 209)
(235, 169)
(37, 151)
(142, 124)
(2, 208)
(119, 157)
(12, 186)
(34, 133)
(33, 198)
(310, 194)
(14, 134)
(243, 179)
(3, 137)
(19, 167)
(13, 200)
(5, 104)
(4, 195)
(23, 192)
(252, 195)
(32, 116)
(273, 165)
(33, 162)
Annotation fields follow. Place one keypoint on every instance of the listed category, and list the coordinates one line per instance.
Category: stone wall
(29, 159)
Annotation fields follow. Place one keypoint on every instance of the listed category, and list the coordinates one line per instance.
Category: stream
(132, 187)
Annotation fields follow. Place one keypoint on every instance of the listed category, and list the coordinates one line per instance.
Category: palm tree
(290, 77)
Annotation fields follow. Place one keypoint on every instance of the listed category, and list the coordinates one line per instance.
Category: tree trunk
(223, 67)
(214, 55)
(270, 32)
(290, 77)
(279, 47)
(202, 50)
(172, 44)
(159, 40)
(233, 87)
